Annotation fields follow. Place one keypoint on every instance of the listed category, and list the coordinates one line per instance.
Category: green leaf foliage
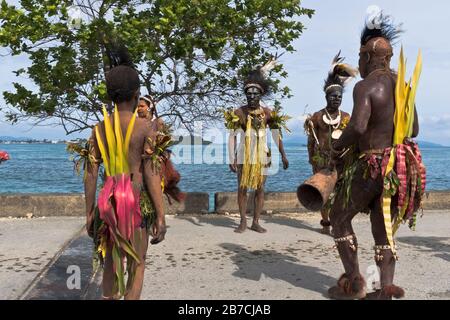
(191, 55)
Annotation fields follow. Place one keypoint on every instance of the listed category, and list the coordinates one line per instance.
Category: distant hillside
(426, 144)
(296, 139)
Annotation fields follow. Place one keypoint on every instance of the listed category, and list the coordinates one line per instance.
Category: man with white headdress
(327, 125)
(386, 178)
(252, 158)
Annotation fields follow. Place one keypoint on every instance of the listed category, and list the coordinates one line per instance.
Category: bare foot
(256, 227)
(242, 227)
(377, 295)
(387, 293)
(348, 290)
(338, 293)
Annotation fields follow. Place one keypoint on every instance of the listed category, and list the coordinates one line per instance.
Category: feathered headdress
(259, 77)
(118, 55)
(340, 74)
(379, 32)
(122, 79)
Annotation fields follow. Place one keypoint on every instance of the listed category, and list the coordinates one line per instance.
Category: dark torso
(142, 130)
(380, 86)
(323, 130)
(323, 150)
(244, 111)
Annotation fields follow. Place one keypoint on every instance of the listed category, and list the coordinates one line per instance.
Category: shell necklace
(334, 123)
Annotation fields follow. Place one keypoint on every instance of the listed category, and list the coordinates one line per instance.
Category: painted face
(143, 109)
(334, 99)
(253, 96)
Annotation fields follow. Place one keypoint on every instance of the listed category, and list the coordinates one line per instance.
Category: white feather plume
(268, 67)
(374, 17)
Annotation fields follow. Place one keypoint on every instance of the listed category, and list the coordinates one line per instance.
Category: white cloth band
(333, 86)
(148, 100)
(253, 85)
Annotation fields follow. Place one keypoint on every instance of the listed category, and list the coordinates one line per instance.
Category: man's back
(139, 143)
(377, 94)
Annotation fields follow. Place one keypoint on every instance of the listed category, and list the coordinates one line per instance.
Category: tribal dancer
(327, 125)
(147, 110)
(170, 177)
(387, 177)
(252, 158)
(119, 228)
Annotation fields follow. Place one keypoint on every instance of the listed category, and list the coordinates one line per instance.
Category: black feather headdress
(122, 79)
(340, 74)
(260, 77)
(118, 55)
(255, 78)
(379, 24)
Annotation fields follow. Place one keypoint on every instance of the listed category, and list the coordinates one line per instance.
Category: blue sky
(336, 26)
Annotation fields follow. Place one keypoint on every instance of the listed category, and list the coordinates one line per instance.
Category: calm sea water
(47, 169)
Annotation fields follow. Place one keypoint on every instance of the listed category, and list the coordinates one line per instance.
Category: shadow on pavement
(435, 245)
(221, 221)
(294, 223)
(275, 265)
(227, 222)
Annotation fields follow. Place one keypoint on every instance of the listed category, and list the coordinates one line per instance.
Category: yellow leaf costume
(407, 172)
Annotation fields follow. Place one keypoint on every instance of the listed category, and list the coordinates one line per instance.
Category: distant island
(426, 144)
(422, 144)
(300, 140)
(23, 140)
(190, 140)
(183, 140)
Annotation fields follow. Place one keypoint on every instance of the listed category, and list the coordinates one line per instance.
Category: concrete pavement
(202, 258)
(27, 247)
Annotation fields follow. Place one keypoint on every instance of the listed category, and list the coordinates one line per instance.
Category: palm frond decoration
(278, 120)
(232, 121)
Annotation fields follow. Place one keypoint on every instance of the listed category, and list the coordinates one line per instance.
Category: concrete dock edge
(21, 205)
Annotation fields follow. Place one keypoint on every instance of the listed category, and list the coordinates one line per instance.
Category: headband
(152, 104)
(250, 85)
(334, 86)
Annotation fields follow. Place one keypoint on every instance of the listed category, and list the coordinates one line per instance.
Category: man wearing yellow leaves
(252, 158)
(386, 177)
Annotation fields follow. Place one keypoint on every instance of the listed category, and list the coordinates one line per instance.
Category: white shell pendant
(331, 122)
(336, 134)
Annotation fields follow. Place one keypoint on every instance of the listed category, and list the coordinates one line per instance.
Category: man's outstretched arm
(309, 124)
(359, 120)
(416, 123)
(276, 136)
(152, 180)
(90, 183)
(232, 156)
(153, 186)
